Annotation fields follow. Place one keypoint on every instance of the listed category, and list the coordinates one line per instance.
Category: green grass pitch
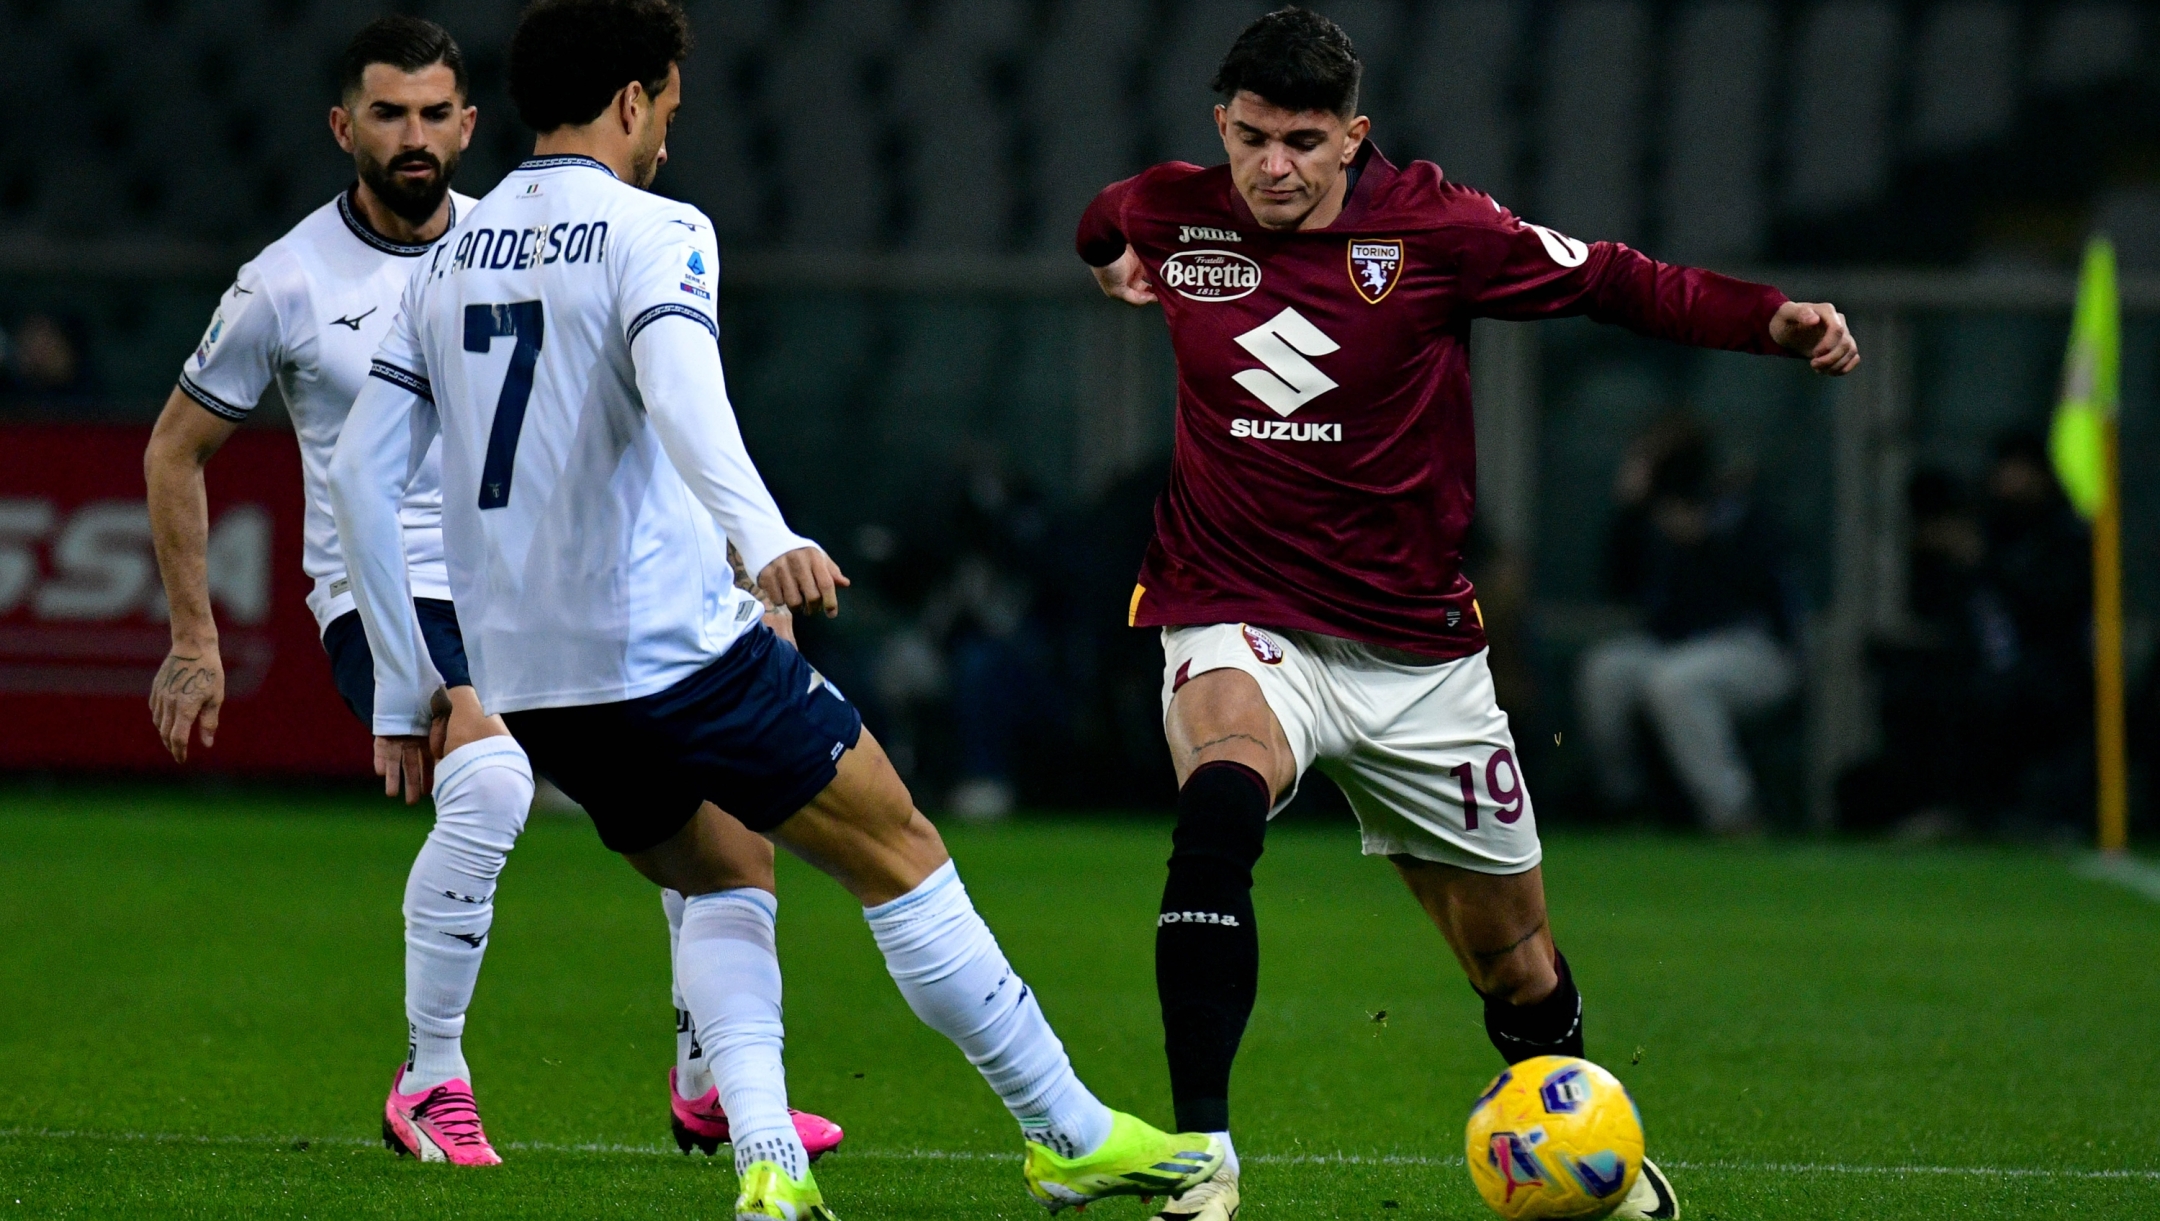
(199, 1011)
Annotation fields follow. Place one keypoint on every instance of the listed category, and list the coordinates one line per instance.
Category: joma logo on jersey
(1374, 269)
(1210, 275)
(1202, 233)
(1284, 430)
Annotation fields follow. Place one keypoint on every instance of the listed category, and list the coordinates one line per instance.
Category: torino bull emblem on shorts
(1374, 268)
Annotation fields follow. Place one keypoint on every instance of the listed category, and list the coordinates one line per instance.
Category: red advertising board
(83, 620)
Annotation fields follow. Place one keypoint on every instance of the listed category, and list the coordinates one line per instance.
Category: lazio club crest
(1374, 268)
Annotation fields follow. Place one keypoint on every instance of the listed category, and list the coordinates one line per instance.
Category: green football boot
(768, 1194)
(1137, 1160)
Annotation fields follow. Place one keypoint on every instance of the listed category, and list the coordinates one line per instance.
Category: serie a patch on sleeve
(697, 274)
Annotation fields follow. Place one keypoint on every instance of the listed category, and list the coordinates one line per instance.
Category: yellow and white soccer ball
(1554, 1137)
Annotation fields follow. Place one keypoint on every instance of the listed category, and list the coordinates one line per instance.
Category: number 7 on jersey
(523, 321)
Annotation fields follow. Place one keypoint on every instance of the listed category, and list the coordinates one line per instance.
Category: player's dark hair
(569, 58)
(405, 43)
(1296, 59)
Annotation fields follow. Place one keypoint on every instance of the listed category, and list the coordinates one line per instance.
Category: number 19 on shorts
(1503, 787)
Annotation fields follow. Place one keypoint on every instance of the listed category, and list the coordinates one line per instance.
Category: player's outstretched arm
(685, 392)
(190, 686)
(376, 452)
(1817, 331)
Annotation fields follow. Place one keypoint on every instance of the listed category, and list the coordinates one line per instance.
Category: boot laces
(452, 1113)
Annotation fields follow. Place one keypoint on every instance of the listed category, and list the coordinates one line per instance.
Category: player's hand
(803, 580)
(405, 760)
(186, 696)
(1817, 331)
(1126, 280)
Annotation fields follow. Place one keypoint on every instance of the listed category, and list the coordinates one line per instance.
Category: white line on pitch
(976, 1155)
(2121, 869)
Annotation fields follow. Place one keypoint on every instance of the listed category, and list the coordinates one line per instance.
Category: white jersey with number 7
(565, 343)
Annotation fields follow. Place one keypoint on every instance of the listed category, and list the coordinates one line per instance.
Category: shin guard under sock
(483, 791)
(693, 1073)
(1207, 949)
(1550, 1027)
(957, 981)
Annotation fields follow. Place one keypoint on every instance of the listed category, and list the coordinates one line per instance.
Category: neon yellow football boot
(768, 1194)
(1137, 1160)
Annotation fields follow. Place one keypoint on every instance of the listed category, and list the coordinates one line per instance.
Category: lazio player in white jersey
(307, 314)
(564, 344)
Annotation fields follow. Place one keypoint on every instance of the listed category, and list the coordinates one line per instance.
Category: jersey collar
(1370, 173)
(559, 160)
(366, 232)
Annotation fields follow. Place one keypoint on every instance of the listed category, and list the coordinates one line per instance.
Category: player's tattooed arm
(1126, 280)
(777, 617)
(189, 690)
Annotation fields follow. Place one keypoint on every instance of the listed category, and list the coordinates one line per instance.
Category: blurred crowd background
(1723, 593)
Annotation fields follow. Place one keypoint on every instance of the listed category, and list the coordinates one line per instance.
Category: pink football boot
(704, 1125)
(437, 1125)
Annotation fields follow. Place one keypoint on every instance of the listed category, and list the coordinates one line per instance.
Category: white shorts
(1420, 748)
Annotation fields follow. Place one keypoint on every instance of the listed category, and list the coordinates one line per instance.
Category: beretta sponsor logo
(1210, 275)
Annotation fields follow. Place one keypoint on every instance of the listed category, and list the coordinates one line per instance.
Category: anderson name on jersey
(588, 566)
(1325, 465)
(307, 313)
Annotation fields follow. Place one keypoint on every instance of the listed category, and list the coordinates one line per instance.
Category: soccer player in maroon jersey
(1306, 565)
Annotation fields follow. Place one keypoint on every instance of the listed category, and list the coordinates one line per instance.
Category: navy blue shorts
(352, 663)
(757, 733)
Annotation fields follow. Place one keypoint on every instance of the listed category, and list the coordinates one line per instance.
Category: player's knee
(1523, 977)
(1222, 815)
(480, 811)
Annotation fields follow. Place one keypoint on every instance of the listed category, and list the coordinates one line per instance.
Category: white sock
(693, 1077)
(483, 790)
(729, 973)
(957, 981)
(1229, 1152)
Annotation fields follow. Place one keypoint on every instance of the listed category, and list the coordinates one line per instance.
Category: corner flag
(2082, 442)
(2092, 381)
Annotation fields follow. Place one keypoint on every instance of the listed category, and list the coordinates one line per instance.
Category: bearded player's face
(648, 144)
(1285, 162)
(405, 131)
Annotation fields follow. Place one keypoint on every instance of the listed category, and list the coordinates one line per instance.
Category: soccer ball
(1554, 1136)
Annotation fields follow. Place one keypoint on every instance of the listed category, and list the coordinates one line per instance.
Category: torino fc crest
(1374, 268)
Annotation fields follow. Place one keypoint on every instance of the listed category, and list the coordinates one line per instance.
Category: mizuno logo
(471, 939)
(353, 323)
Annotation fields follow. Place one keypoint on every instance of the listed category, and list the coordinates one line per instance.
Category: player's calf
(1207, 946)
(1496, 925)
(483, 792)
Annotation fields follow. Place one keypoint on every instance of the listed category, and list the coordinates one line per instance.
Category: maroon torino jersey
(1325, 466)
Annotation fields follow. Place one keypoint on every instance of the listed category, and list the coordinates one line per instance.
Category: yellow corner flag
(2082, 442)
(2092, 385)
